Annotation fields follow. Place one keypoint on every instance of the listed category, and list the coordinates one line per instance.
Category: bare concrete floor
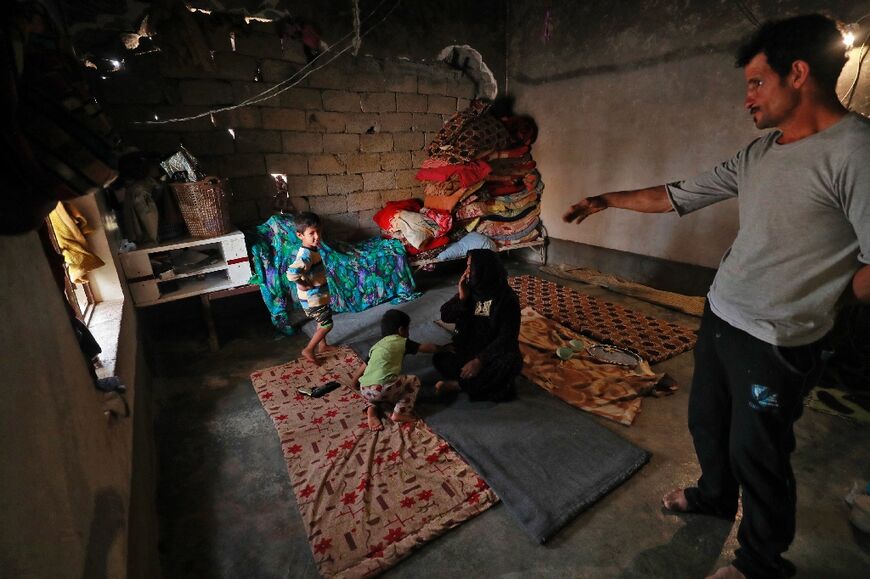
(227, 509)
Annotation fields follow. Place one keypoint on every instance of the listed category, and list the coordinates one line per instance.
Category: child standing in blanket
(380, 380)
(309, 275)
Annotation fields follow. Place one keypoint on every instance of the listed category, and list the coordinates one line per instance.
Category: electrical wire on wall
(357, 40)
(294, 79)
(745, 10)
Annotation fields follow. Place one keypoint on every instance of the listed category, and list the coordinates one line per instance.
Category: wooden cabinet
(159, 273)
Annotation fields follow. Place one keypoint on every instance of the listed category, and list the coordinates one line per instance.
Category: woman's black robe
(487, 328)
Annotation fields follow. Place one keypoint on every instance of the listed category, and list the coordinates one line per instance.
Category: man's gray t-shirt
(804, 229)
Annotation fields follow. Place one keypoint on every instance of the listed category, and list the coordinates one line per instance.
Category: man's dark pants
(746, 396)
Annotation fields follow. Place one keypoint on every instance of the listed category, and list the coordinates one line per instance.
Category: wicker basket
(205, 206)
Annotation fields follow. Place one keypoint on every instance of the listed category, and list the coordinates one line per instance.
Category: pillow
(461, 248)
(416, 228)
(384, 217)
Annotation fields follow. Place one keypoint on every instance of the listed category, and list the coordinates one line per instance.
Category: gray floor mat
(545, 459)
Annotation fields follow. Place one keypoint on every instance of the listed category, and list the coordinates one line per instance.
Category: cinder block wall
(349, 137)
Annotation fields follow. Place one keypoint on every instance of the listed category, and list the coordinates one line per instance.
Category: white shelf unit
(232, 269)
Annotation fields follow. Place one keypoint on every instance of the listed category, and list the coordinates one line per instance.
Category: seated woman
(486, 355)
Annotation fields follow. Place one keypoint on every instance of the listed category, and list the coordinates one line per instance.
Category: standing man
(802, 248)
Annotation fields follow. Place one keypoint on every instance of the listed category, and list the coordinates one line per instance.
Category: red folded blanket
(468, 173)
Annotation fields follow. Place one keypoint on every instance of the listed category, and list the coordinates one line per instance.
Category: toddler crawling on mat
(380, 380)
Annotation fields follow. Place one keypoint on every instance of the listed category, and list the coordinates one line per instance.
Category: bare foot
(443, 386)
(402, 417)
(374, 418)
(323, 349)
(729, 572)
(676, 501)
(309, 355)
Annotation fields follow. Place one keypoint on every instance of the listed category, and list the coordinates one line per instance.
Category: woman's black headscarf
(488, 278)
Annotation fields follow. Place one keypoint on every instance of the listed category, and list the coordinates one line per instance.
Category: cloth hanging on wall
(70, 227)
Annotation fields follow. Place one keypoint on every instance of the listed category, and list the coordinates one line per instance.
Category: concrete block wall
(349, 137)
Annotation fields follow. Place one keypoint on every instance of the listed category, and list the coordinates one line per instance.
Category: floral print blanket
(367, 498)
(360, 275)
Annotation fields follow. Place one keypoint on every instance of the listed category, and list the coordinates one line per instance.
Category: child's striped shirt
(309, 270)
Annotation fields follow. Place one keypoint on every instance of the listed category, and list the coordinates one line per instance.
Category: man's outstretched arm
(648, 200)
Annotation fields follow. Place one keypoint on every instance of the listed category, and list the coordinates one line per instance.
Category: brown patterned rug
(367, 498)
(608, 390)
(653, 339)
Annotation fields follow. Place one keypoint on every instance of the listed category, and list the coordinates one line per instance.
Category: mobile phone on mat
(318, 391)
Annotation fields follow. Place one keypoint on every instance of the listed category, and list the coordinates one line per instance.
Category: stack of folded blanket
(479, 177)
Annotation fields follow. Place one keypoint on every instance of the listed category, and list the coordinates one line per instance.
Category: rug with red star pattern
(367, 498)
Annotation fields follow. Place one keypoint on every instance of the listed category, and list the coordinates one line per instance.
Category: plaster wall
(65, 485)
(634, 94)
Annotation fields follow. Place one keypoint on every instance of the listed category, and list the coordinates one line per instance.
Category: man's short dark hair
(305, 220)
(392, 321)
(813, 38)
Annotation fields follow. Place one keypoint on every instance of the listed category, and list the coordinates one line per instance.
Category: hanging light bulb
(849, 39)
(848, 32)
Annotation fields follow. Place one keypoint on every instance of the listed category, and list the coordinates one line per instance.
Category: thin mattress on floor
(367, 498)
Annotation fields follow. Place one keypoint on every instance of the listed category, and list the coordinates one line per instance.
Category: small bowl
(577, 345)
(564, 353)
